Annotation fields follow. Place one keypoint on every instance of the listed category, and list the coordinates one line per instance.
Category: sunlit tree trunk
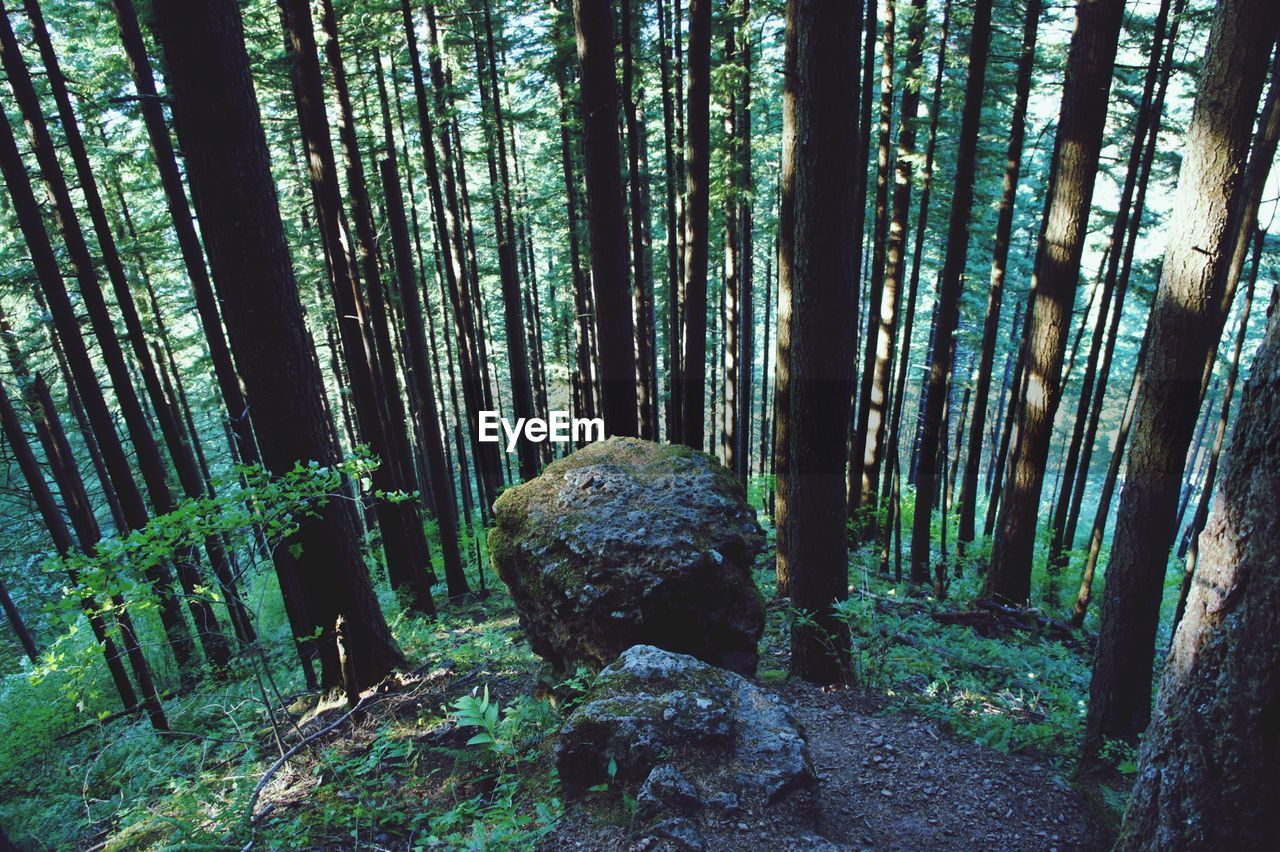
(1217, 202)
(1057, 271)
(1209, 769)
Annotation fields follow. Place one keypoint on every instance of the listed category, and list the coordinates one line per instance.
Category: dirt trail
(886, 782)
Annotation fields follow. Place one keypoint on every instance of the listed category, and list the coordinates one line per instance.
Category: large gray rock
(692, 737)
(629, 542)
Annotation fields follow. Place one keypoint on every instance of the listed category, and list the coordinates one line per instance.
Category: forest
(639, 424)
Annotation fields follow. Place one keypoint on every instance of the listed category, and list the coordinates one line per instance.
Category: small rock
(664, 790)
(680, 831)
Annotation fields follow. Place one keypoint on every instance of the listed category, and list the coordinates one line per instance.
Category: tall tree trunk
(1057, 271)
(862, 488)
(1209, 769)
(607, 220)
(765, 348)
(638, 196)
(184, 228)
(30, 221)
(1217, 203)
(878, 399)
(693, 378)
(952, 281)
(442, 191)
(746, 247)
(893, 434)
(208, 631)
(1102, 515)
(500, 190)
(1122, 282)
(400, 538)
(1058, 542)
(438, 475)
(674, 165)
(999, 265)
(220, 131)
(821, 154)
(387, 389)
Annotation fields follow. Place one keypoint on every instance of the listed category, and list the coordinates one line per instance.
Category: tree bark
(1058, 542)
(821, 153)
(999, 266)
(420, 375)
(402, 547)
(952, 282)
(1216, 200)
(1057, 271)
(879, 400)
(500, 190)
(19, 626)
(693, 381)
(861, 485)
(1122, 283)
(1209, 769)
(607, 220)
(1206, 490)
(220, 131)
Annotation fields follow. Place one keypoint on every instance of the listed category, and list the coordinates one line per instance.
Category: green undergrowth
(402, 774)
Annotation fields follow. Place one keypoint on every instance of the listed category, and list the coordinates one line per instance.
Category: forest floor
(950, 738)
(888, 781)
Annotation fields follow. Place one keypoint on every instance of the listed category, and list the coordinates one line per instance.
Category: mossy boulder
(629, 542)
(690, 736)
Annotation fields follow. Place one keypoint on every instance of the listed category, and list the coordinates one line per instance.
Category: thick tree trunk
(184, 229)
(952, 281)
(1057, 271)
(607, 219)
(218, 125)
(999, 265)
(1206, 490)
(1058, 542)
(1217, 205)
(1209, 769)
(817, 271)
(1122, 283)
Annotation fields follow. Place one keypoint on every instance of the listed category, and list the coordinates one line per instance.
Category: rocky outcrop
(629, 542)
(695, 741)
